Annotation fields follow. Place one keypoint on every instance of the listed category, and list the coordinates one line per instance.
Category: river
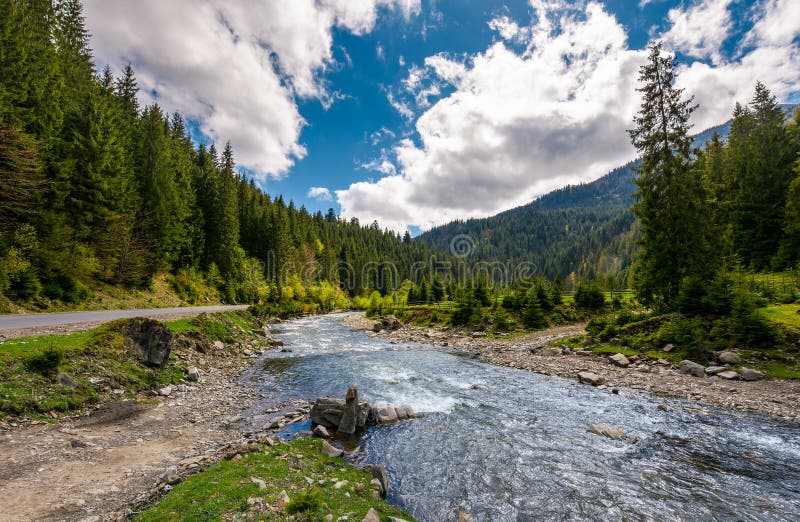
(511, 445)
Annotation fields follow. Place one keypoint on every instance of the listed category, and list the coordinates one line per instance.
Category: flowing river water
(510, 445)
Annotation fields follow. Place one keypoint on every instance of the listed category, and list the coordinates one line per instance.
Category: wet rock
(479, 386)
(389, 323)
(728, 375)
(372, 516)
(405, 412)
(330, 450)
(620, 360)
(688, 367)
(606, 431)
(713, 370)
(193, 373)
(385, 414)
(728, 357)
(321, 432)
(65, 380)
(590, 378)
(327, 412)
(148, 340)
(381, 478)
(349, 419)
(749, 374)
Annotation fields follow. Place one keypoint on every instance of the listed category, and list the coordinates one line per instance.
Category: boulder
(193, 374)
(714, 370)
(405, 412)
(65, 380)
(691, 368)
(590, 378)
(321, 432)
(363, 415)
(148, 340)
(728, 357)
(379, 475)
(327, 412)
(330, 450)
(620, 360)
(349, 420)
(749, 374)
(384, 414)
(388, 322)
(728, 375)
(607, 431)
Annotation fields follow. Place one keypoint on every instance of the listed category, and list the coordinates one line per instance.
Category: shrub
(589, 296)
(45, 361)
(681, 331)
(309, 500)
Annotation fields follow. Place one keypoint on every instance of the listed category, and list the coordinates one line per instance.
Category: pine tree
(532, 315)
(669, 199)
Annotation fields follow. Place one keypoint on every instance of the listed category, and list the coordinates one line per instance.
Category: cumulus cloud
(521, 123)
(777, 23)
(320, 193)
(236, 68)
(701, 29)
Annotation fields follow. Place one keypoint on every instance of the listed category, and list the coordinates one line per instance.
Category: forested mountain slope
(587, 230)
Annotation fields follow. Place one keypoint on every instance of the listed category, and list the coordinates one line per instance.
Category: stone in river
(327, 412)
(691, 368)
(385, 414)
(350, 415)
(620, 360)
(321, 432)
(607, 431)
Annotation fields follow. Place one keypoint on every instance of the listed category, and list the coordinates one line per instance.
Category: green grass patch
(182, 326)
(222, 491)
(33, 370)
(783, 314)
(611, 349)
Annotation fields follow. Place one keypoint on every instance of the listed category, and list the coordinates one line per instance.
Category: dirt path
(93, 468)
(772, 396)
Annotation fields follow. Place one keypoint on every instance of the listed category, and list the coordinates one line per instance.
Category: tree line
(94, 187)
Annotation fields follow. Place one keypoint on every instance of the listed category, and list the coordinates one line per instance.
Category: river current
(510, 445)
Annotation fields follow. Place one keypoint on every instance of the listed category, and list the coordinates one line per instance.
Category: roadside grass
(222, 491)
(65, 372)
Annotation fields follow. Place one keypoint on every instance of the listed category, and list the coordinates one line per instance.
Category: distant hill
(586, 229)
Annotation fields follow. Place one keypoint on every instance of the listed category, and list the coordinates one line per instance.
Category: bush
(309, 500)
(45, 361)
(681, 331)
(589, 296)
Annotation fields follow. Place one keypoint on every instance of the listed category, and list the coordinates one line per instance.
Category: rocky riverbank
(534, 352)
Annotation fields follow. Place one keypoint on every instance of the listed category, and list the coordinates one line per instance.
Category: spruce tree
(669, 199)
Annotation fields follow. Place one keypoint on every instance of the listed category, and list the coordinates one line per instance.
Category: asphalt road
(22, 321)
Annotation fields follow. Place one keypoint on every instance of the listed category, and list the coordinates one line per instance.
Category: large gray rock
(620, 360)
(389, 322)
(590, 378)
(728, 375)
(379, 473)
(148, 340)
(327, 412)
(713, 370)
(691, 368)
(728, 357)
(330, 450)
(349, 420)
(321, 432)
(384, 414)
(405, 412)
(749, 374)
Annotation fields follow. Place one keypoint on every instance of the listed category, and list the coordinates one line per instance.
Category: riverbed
(503, 444)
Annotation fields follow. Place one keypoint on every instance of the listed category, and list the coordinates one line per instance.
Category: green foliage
(308, 500)
(45, 361)
(532, 313)
(589, 296)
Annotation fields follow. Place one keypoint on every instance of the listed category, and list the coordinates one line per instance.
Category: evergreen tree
(532, 315)
(669, 199)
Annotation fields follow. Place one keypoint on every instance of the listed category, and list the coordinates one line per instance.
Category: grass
(783, 314)
(222, 491)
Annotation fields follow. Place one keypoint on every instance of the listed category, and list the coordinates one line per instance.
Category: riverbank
(772, 396)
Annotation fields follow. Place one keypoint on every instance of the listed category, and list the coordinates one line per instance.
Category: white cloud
(320, 193)
(237, 68)
(400, 106)
(382, 165)
(701, 29)
(507, 28)
(558, 116)
(777, 23)
(380, 53)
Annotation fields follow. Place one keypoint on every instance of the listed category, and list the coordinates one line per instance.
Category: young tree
(669, 199)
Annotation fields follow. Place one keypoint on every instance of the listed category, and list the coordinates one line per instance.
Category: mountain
(587, 230)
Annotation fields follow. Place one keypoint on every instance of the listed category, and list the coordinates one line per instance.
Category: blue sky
(417, 112)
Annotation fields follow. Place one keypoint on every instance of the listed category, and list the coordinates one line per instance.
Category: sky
(415, 113)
